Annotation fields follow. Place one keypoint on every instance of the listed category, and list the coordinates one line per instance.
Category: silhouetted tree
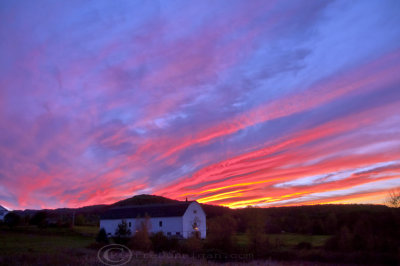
(331, 223)
(12, 219)
(363, 236)
(39, 219)
(26, 218)
(317, 227)
(304, 224)
(102, 237)
(122, 232)
(220, 234)
(80, 219)
(257, 240)
(345, 239)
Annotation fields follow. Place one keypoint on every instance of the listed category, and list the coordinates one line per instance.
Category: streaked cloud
(234, 103)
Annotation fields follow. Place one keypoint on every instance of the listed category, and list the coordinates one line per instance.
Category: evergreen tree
(102, 237)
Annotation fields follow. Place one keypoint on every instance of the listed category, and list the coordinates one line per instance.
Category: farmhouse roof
(152, 210)
(2, 208)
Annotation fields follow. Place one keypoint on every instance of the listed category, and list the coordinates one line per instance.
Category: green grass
(30, 239)
(288, 240)
(87, 230)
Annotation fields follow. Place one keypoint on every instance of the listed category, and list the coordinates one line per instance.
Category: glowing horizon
(235, 103)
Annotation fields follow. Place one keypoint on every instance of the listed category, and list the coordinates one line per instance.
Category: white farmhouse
(181, 219)
(3, 212)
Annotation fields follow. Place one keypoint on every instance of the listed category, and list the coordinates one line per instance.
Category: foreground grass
(35, 240)
(30, 239)
(29, 245)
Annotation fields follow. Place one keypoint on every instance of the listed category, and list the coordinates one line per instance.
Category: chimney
(186, 199)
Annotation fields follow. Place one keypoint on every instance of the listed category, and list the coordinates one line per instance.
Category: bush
(258, 243)
(141, 240)
(220, 233)
(159, 242)
(12, 219)
(80, 219)
(102, 237)
(192, 245)
(39, 219)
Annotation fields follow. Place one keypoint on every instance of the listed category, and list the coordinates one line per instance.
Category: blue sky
(222, 102)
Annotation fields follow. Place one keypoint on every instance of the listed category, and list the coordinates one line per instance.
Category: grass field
(31, 239)
(29, 245)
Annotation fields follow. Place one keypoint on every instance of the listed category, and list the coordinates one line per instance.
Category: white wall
(194, 213)
(111, 225)
(172, 225)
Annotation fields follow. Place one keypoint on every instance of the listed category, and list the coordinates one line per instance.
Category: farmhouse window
(160, 223)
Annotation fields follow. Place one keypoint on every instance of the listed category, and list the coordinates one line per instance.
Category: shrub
(141, 240)
(80, 219)
(39, 219)
(159, 242)
(102, 237)
(258, 243)
(192, 245)
(220, 233)
(12, 219)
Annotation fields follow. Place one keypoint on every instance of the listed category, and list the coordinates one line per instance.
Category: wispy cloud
(233, 103)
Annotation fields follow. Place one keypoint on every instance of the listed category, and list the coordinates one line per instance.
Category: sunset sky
(234, 103)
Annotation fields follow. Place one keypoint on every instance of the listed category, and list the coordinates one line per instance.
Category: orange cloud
(254, 177)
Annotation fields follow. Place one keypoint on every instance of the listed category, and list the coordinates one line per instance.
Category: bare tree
(393, 198)
(141, 239)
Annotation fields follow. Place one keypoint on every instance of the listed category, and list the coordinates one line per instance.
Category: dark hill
(92, 213)
(143, 199)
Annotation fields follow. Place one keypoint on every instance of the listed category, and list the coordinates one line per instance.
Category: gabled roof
(152, 210)
(2, 208)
